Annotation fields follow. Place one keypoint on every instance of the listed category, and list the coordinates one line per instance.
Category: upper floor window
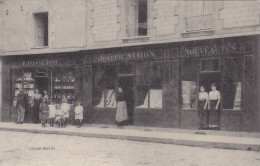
(199, 15)
(137, 18)
(41, 29)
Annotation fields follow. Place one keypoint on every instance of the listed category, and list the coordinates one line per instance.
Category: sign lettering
(213, 50)
(40, 63)
(128, 56)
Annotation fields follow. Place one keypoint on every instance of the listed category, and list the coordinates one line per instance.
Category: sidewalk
(201, 138)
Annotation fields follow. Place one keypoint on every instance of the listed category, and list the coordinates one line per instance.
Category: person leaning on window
(202, 108)
(214, 100)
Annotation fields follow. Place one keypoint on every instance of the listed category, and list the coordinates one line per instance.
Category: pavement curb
(206, 144)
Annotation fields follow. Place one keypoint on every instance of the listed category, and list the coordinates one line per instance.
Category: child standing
(44, 112)
(65, 108)
(52, 110)
(59, 116)
(79, 113)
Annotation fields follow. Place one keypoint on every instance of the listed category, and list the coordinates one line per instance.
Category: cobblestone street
(26, 149)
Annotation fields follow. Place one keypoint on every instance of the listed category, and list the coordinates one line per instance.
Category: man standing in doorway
(21, 103)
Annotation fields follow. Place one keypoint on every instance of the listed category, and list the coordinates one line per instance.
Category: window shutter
(132, 17)
(39, 31)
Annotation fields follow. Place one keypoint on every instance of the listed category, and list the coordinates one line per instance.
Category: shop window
(149, 89)
(17, 83)
(209, 65)
(137, 18)
(105, 79)
(189, 84)
(199, 15)
(24, 79)
(41, 29)
(249, 83)
(63, 84)
(170, 87)
(231, 90)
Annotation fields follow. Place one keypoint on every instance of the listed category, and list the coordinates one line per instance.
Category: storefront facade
(158, 81)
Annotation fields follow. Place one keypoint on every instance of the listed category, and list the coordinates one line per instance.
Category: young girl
(52, 110)
(44, 112)
(79, 113)
(65, 108)
(59, 116)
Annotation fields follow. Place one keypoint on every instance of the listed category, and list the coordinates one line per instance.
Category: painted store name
(38, 63)
(128, 56)
(213, 50)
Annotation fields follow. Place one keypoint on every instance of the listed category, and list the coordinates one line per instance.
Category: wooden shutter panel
(132, 17)
(39, 31)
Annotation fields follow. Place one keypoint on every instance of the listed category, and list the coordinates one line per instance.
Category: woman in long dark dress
(214, 100)
(202, 108)
(36, 100)
(121, 110)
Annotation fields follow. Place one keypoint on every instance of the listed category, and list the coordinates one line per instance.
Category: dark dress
(203, 115)
(44, 115)
(36, 110)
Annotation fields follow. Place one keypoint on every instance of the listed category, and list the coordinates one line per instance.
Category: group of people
(208, 107)
(46, 110)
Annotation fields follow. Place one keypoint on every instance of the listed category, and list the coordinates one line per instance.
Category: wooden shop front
(59, 75)
(158, 80)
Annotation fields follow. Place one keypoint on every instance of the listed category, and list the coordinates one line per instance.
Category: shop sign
(40, 63)
(213, 50)
(140, 55)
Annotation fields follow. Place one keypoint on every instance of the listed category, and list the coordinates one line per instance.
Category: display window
(23, 79)
(63, 85)
(105, 80)
(170, 87)
(149, 84)
(231, 90)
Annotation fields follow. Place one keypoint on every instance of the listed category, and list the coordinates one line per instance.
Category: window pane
(142, 73)
(111, 80)
(99, 85)
(170, 89)
(142, 96)
(155, 96)
(142, 18)
(210, 65)
(248, 94)
(189, 84)
(156, 76)
(156, 80)
(232, 84)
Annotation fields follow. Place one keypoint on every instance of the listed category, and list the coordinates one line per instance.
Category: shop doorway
(206, 79)
(41, 80)
(127, 84)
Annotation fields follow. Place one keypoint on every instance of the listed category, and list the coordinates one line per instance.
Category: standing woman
(121, 110)
(202, 108)
(36, 101)
(214, 100)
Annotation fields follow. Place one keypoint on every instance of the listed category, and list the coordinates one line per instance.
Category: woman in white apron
(121, 110)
